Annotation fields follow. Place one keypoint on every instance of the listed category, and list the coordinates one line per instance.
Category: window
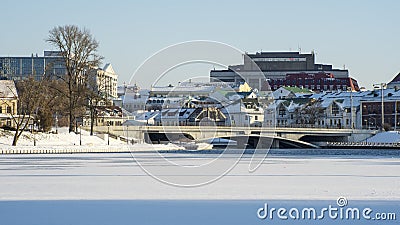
(335, 109)
(255, 117)
(8, 109)
(282, 111)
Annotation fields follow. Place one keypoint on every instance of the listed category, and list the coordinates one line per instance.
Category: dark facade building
(278, 66)
(371, 109)
(316, 82)
(372, 114)
(20, 67)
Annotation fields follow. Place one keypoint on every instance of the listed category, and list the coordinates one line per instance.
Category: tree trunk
(70, 108)
(92, 115)
(71, 122)
(14, 143)
(17, 134)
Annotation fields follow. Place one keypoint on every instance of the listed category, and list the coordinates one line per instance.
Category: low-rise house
(133, 98)
(8, 102)
(291, 92)
(195, 112)
(106, 116)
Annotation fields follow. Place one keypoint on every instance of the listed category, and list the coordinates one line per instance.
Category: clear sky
(362, 35)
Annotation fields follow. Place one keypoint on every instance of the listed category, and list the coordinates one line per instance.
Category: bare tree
(29, 99)
(312, 112)
(79, 51)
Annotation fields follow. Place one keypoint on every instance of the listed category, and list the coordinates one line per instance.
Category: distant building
(106, 116)
(395, 83)
(175, 96)
(323, 110)
(287, 92)
(246, 111)
(316, 82)
(8, 102)
(21, 67)
(106, 80)
(371, 109)
(132, 98)
(205, 112)
(280, 68)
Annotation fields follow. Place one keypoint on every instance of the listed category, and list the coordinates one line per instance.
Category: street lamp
(381, 86)
(34, 134)
(80, 134)
(127, 134)
(351, 107)
(108, 133)
(56, 123)
(395, 115)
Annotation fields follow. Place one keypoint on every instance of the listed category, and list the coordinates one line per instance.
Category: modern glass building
(20, 67)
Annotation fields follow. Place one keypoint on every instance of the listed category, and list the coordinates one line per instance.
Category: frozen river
(82, 189)
(321, 175)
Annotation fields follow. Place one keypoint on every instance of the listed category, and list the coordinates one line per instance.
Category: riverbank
(64, 143)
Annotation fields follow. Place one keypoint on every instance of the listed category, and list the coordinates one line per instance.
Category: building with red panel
(316, 82)
(285, 69)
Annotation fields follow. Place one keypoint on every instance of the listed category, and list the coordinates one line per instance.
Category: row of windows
(6, 109)
(317, 87)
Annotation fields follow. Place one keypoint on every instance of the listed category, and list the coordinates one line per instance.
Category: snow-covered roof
(108, 68)
(385, 137)
(8, 89)
(185, 89)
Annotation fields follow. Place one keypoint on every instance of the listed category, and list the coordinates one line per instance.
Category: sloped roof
(298, 90)
(396, 78)
(8, 89)
(186, 89)
(108, 68)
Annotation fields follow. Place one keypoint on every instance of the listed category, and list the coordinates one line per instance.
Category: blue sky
(362, 35)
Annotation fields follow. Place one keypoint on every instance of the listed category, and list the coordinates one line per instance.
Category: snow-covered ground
(118, 176)
(72, 141)
(63, 138)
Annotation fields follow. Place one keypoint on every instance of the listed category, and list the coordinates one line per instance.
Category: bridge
(300, 137)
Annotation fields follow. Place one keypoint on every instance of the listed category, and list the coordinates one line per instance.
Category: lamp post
(80, 134)
(351, 107)
(127, 134)
(56, 123)
(381, 86)
(34, 134)
(108, 133)
(395, 115)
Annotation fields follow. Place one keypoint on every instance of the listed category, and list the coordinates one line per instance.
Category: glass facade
(17, 68)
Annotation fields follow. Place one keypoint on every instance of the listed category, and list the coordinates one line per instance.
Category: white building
(106, 81)
(132, 98)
